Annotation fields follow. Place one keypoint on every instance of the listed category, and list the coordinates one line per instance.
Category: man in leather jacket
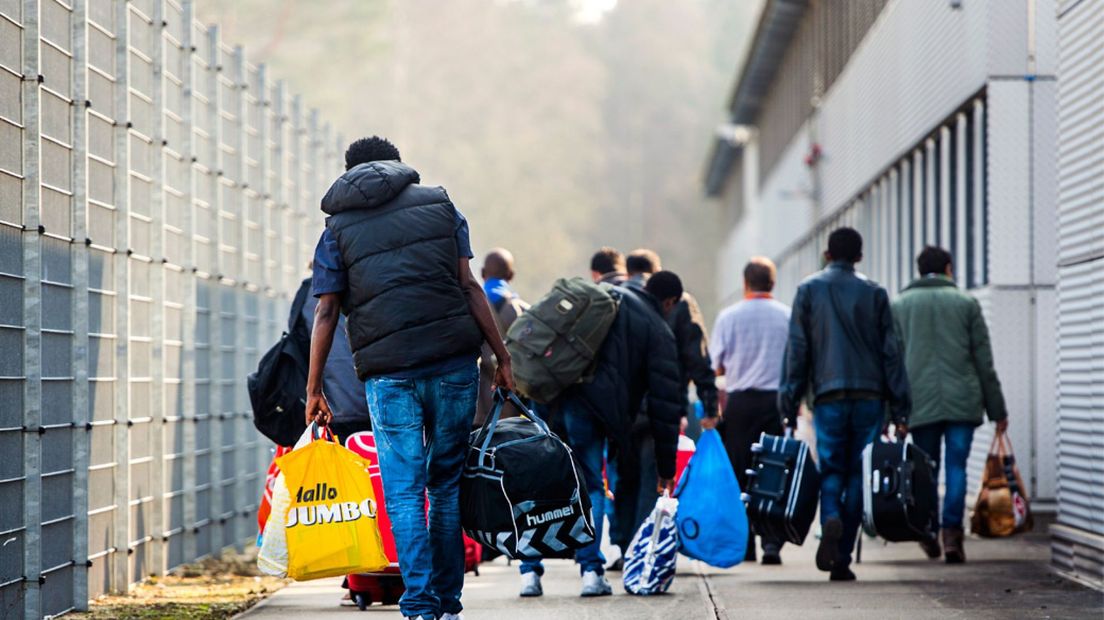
(843, 349)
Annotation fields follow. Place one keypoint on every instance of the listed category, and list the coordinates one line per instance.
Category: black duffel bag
(278, 390)
(521, 492)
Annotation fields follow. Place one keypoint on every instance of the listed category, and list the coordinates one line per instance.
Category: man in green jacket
(950, 368)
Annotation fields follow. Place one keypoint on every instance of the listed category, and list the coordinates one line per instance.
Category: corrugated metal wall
(821, 48)
(1079, 534)
(155, 188)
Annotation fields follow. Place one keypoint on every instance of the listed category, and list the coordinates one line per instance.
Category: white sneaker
(595, 585)
(531, 585)
(452, 617)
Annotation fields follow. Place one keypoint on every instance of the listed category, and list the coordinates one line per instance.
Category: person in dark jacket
(608, 266)
(688, 325)
(394, 260)
(843, 346)
(686, 322)
(636, 363)
(950, 368)
(344, 392)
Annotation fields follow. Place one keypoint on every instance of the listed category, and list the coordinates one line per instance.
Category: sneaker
(452, 616)
(828, 552)
(531, 585)
(841, 573)
(931, 547)
(616, 565)
(595, 585)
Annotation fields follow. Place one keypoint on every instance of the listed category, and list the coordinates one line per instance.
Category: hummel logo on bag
(551, 515)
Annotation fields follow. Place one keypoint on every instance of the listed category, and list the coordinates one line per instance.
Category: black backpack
(278, 390)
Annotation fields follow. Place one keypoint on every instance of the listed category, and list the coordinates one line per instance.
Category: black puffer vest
(397, 239)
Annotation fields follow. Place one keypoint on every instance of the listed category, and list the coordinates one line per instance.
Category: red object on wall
(686, 449)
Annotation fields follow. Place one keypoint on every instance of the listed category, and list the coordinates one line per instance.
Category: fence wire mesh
(157, 197)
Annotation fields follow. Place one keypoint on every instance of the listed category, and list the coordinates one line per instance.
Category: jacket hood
(368, 186)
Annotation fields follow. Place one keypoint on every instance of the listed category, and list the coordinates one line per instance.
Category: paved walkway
(1004, 579)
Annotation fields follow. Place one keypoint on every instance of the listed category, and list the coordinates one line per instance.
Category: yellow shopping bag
(330, 521)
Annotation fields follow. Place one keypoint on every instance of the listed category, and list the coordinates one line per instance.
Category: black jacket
(688, 325)
(397, 239)
(842, 338)
(637, 361)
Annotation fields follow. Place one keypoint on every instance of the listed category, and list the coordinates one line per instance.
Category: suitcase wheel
(362, 600)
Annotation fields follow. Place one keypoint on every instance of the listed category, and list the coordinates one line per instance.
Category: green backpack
(553, 345)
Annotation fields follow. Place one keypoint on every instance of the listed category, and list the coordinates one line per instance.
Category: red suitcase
(386, 587)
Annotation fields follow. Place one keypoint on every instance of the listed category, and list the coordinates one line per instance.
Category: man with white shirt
(749, 339)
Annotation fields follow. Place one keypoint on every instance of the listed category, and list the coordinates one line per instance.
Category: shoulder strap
(297, 304)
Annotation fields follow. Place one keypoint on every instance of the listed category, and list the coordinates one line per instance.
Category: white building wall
(919, 69)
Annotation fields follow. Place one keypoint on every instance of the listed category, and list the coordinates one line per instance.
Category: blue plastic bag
(650, 559)
(712, 521)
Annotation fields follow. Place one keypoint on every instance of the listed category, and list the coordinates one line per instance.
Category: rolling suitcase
(386, 586)
(783, 488)
(899, 491)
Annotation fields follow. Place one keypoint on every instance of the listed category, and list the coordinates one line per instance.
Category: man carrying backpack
(637, 361)
(498, 271)
(394, 259)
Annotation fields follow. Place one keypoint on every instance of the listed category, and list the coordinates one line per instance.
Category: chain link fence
(158, 207)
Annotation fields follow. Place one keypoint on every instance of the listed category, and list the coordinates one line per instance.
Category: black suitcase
(899, 492)
(783, 489)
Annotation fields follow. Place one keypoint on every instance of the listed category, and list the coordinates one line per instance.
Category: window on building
(935, 194)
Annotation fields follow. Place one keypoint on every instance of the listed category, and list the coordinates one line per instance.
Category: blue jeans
(957, 436)
(587, 440)
(843, 429)
(421, 428)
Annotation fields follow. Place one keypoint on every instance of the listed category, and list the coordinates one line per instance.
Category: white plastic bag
(273, 556)
(651, 557)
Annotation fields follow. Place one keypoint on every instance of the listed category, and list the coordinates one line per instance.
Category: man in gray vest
(394, 260)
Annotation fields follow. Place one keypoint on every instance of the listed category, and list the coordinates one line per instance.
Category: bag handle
(501, 395)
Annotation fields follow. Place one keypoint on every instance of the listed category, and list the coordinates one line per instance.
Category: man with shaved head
(498, 271)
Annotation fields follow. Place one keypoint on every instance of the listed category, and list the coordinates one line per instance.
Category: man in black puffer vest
(394, 259)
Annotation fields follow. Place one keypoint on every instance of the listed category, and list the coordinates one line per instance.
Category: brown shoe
(952, 545)
(931, 547)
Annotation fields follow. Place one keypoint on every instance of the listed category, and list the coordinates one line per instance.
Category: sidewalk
(1004, 579)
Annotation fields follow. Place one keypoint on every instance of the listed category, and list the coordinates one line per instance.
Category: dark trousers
(957, 436)
(635, 490)
(747, 415)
